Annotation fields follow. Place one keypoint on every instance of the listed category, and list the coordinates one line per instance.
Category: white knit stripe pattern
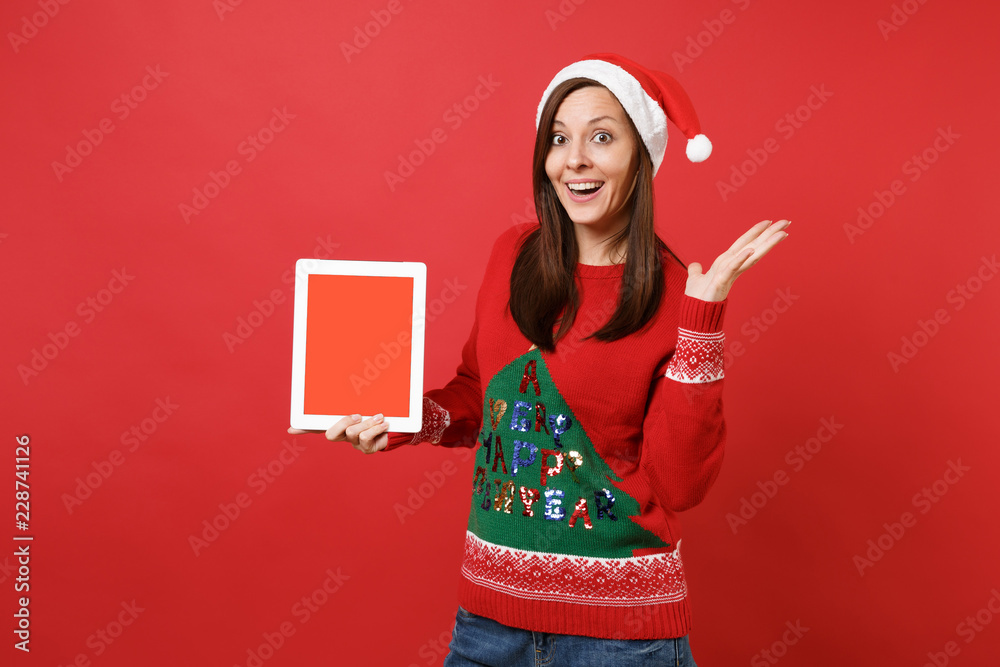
(610, 582)
(432, 427)
(699, 357)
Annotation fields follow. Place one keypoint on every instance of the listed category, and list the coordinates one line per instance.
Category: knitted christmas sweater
(585, 456)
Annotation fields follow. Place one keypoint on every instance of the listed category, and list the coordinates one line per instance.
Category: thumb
(694, 269)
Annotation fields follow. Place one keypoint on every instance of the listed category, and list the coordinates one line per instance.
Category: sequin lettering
(543, 436)
(487, 494)
(517, 461)
(547, 470)
(495, 498)
(528, 498)
(559, 425)
(604, 509)
(573, 461)
(581, 511)
(477, 481)
(519, 421)
(530, 376)
(540, 418)
(505, 498)
(488, 446)
(498, 456)
(553, 505)
(498, 406)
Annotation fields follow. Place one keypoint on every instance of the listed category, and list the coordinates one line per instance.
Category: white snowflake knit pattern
(553, 577)
(699, 357)
(435, 420)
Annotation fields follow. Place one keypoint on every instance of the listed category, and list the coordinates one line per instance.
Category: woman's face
(592, 158)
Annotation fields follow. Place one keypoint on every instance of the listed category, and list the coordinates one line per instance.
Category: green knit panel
(535, 426)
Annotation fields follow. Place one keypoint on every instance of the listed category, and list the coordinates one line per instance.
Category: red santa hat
(649, 97)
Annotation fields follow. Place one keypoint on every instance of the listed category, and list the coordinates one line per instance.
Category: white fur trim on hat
(647, 115)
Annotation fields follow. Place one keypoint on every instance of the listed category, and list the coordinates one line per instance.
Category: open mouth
(585, 189)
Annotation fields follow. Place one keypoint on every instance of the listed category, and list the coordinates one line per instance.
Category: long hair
(541, 282)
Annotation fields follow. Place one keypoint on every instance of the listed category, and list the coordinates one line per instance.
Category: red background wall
(319, 189)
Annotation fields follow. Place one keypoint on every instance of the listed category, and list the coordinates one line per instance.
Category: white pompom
(698, 148)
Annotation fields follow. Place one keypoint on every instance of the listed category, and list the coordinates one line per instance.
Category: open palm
(714, 284)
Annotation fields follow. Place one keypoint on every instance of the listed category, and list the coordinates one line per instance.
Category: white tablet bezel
(303, 269)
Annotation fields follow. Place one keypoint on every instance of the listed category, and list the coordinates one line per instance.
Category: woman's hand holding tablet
(368, 436)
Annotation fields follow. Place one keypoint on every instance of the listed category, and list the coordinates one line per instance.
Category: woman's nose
(578, 156)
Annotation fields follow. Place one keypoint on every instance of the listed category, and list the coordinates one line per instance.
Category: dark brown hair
(541, 282)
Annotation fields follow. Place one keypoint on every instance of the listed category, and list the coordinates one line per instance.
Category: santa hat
(648, 97)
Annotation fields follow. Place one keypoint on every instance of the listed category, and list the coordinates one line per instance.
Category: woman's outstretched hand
(368, 436)
(714, 284)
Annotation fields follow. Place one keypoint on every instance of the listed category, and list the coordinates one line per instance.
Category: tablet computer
(358, 342)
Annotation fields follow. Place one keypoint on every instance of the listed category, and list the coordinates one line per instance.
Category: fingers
(763, 246)
(776, 229)
(749, 236)
(364, 434)
(342, 429)
(373, 439)
(763, 236)
(758, 234)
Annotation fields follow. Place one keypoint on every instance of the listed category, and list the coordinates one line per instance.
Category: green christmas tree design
(539, 484)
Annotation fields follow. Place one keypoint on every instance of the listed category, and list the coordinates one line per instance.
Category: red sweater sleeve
(684, 432)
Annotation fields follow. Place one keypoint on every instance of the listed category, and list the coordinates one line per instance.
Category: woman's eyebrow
(590, 122)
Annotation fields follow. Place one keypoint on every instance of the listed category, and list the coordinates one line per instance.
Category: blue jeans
(480, 641)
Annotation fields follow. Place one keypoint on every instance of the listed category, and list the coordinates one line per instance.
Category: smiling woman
(588, 439)
(593, 161)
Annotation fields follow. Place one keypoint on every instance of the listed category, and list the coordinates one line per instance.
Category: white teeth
(585, 186)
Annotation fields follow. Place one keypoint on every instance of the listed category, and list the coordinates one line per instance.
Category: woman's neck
(594, 246)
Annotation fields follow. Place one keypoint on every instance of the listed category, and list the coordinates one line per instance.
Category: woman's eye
(556, 138)
(603, 134)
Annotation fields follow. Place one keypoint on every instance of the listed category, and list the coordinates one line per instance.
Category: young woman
(591, 385)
